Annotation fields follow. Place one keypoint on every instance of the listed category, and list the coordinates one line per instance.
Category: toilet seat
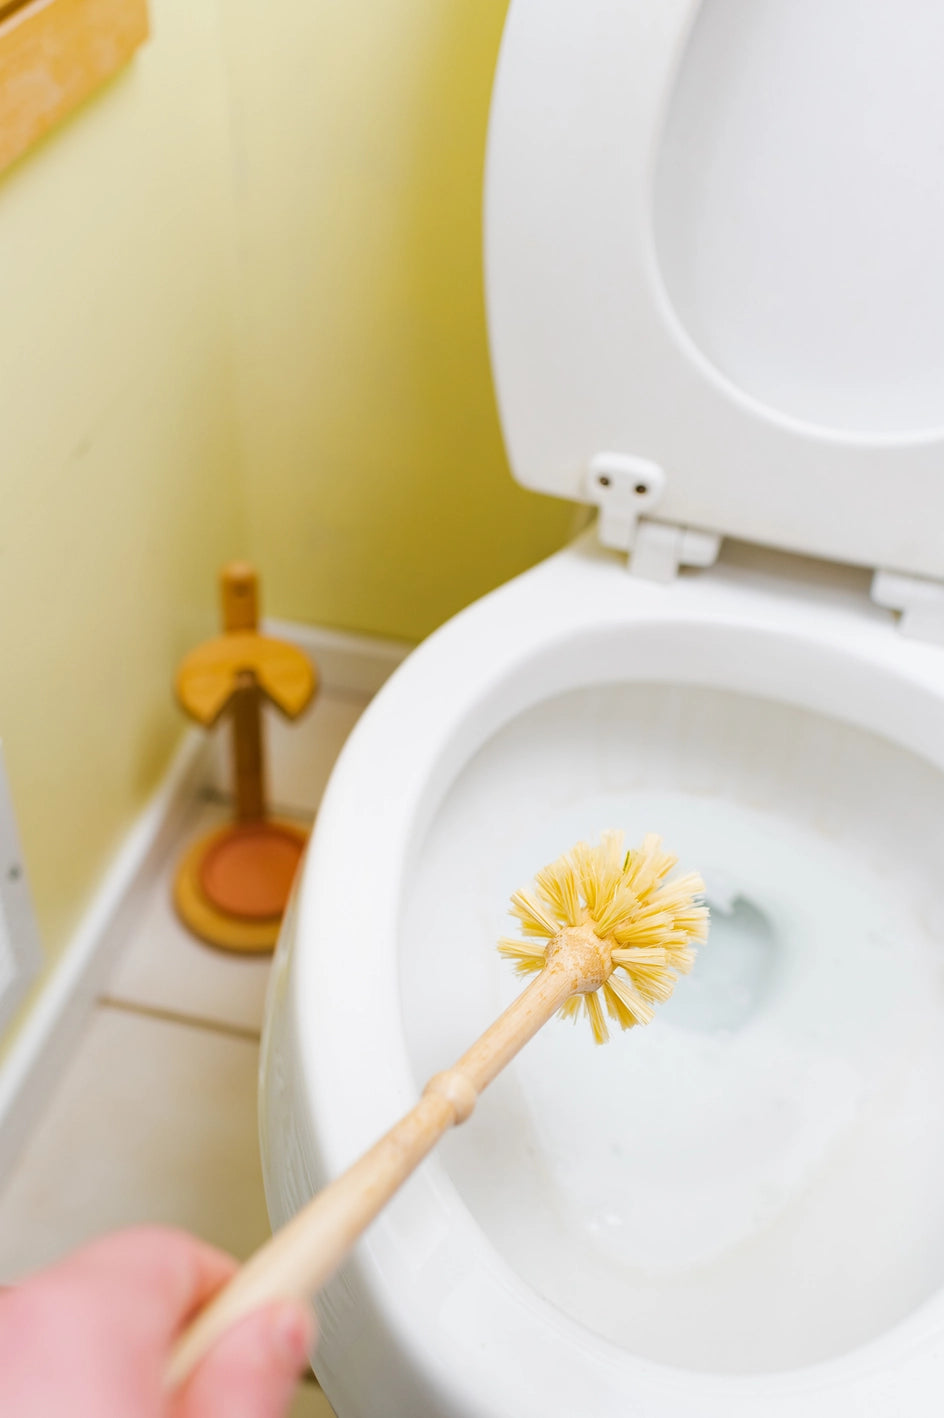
(588, 352)
(590, 359)
(425, 1296)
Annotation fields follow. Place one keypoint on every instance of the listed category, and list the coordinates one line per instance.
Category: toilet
(716, 314)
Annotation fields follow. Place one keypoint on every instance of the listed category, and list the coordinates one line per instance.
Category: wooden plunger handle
(239, 590)
(208, 678)
(239, 593)
(305, 1253)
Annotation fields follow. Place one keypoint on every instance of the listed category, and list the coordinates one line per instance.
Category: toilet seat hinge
(919, 599)
(662, 548)
(625, 487)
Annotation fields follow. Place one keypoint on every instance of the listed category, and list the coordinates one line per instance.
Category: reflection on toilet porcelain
(752, 1183)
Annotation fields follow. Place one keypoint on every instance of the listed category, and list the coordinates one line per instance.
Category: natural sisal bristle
(649, 921)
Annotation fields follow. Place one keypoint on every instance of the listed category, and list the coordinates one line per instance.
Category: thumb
(253, 1370)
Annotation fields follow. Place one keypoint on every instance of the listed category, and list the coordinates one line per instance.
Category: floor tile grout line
(173, 1016)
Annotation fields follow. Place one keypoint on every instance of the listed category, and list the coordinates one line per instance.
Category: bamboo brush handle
(305, 1253)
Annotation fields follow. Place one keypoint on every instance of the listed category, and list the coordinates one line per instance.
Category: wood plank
(53, 54)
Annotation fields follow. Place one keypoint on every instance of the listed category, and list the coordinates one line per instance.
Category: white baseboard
(42, 1049)
(349, 664)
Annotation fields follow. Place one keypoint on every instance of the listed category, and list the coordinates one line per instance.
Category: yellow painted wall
(119, 491)
(378, 492)
(240, 311)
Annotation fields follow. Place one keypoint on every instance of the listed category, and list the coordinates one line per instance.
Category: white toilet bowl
(431, 1315)
(736, 1211)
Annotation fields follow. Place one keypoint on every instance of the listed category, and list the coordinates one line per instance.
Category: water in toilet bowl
(753, 1182)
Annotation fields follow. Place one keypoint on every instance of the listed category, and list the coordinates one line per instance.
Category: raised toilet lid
(713, 238)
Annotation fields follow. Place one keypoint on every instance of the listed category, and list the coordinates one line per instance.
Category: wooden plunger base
(232, 886)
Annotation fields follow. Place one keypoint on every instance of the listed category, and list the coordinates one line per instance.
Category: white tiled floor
(156, 1118)
(163, 968)
(155, 1122)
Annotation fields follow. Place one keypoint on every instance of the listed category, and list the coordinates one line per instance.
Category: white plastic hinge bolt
(623, 488)
(920, 601)
(661, 548)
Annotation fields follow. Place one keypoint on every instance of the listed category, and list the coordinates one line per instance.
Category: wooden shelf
(53, 54)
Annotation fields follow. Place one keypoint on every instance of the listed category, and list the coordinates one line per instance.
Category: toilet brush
(605, 932)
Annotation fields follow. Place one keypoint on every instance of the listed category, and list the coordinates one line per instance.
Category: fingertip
(252, 1371)
(292, 1327)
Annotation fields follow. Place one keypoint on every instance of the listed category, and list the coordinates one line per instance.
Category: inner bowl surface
(753, 1182)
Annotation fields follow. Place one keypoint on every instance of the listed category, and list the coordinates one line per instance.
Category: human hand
(91, 1336)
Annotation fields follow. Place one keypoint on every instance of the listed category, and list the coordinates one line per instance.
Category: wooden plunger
(232, 886)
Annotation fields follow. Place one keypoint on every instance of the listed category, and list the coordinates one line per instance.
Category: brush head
(636, 927)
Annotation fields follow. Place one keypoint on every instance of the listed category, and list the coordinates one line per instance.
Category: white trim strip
(347, 663)
(45, 1042)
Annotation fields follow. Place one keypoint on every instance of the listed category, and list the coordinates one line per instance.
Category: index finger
(154, 1278)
